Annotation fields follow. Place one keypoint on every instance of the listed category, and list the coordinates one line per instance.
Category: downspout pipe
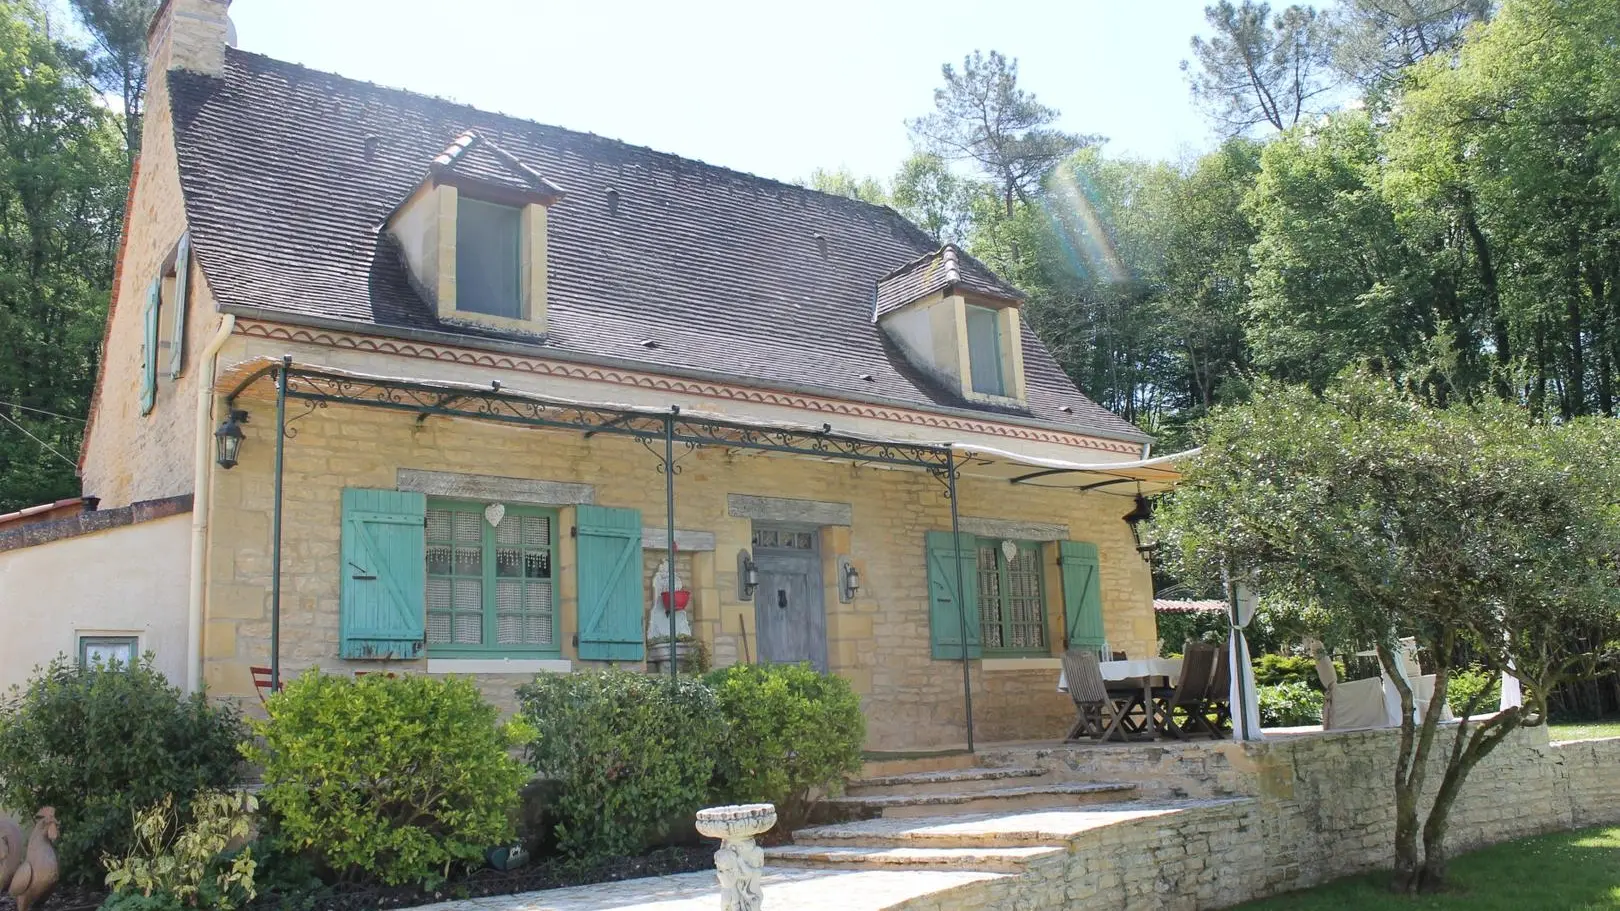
(202, 490)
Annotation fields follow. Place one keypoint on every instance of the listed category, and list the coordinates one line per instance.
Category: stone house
(502, 352)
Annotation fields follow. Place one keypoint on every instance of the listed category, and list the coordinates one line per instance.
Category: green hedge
(98, 743)
(393, 779)
(792, 731)
(1467, 683)
(633, 755)
(1290, 704)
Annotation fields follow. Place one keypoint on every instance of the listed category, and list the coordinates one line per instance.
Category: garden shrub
(1473, 681)
(99, 742)
(394, 779)
(791, 730)
(1274, 669)
(633, 755)
(183, 866)
(1289, 704)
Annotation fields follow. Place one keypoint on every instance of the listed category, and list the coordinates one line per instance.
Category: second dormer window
(489, 258)
(984, 351)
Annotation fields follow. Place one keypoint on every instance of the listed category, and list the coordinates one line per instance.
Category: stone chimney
(189, 35)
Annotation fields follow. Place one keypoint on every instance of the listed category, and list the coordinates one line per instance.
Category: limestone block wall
(879, 642)
(1308, 809)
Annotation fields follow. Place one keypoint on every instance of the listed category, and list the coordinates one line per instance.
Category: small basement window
(104, 650)
(488, 258)
(984, 351)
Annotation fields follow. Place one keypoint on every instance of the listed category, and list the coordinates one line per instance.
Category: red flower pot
(681, 598)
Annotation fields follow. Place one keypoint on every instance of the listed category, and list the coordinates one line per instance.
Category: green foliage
(1260, 69)
(184, 863)
(97, 743)
(633, 755)
(396, 779)
(63, 174)
(792, 730)
(1276, 669)
(1291, 704)
(1474, 685)
(1176, 629)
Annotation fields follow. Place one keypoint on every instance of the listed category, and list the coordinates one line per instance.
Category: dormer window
(489, 258)
(474, 237)
(957, 322)
(984, 351)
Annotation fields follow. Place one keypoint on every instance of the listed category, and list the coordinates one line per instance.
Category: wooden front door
(788, 609)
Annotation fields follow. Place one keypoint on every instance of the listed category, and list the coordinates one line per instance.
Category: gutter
(533, 350)
(202, 490)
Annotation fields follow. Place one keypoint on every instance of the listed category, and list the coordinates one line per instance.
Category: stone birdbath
(739, 861)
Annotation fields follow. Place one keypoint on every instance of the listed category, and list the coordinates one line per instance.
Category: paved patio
(785, 890)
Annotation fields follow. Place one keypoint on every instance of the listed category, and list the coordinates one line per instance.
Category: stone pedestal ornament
(739, 861)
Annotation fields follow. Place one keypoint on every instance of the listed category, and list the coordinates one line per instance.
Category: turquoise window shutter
(1082, 594)
(182, 275)
(149, 344)
(384, 573)
(946, 608)
(610, 608)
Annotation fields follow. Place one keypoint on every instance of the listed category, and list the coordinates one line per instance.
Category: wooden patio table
(1136, 672)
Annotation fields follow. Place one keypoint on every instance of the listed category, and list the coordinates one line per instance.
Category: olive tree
(1473, 529)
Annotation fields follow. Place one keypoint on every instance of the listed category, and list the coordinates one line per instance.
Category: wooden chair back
(1197, 667)
(261, 681)
(1221, 683)
(1085, 679)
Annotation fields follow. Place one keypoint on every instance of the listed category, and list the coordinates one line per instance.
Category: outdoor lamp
(1141, 512)
(747, 575)
(228, 438)
(849, 580)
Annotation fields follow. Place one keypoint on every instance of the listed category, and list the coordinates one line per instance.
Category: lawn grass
(1582, 730)
(1569, 871)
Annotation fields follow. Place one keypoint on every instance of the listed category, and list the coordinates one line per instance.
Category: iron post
(961, 591)
(669, 543)
(275, 526)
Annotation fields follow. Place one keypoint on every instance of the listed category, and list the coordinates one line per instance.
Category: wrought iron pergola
(317, 387)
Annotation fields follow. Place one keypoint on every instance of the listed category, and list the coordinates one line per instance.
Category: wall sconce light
(849, 580)
(1141, 512)
(228, 438)
(747, 576)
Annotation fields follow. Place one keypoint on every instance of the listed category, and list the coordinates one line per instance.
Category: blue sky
(771, 88)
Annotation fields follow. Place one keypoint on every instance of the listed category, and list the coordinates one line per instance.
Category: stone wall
(880, 642)
(1304, 809)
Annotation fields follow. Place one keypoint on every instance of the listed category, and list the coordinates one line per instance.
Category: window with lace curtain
(1011, 597)
(491, 588)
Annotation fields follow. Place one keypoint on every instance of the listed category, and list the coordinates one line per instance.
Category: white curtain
(1512, 695)
(1245, 700)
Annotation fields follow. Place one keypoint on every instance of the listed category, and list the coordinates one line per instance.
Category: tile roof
(475, 157)
(938, 270)
(1170, 606)
(289, 173)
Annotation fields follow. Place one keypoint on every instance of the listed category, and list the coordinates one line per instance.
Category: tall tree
(62, 175)
(1469, 528)
(118, 28)
(1261, 69)
(1376, 40)
(843, 182)
(930, 194)
(981, 115)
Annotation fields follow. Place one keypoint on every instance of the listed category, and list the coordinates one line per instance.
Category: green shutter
(609, 557)
(1082, 595)
(177, 338)
(946, 611)
(149, 347)
(384, 573)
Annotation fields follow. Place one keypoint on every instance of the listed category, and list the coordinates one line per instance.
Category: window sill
(1021, 664)
(499, 665)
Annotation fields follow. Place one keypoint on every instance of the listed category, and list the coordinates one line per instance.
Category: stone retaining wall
(1307, 809)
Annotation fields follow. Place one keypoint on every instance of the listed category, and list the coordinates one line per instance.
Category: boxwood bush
(98, 743)
(1289, 704)
(394, 779)
(791, 730)
(1470, 682)
(633, 755)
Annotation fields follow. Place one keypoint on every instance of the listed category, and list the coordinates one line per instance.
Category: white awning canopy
(1146, 476)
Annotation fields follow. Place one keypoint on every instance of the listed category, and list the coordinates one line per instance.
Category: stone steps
(967, 859)
(998, 799)
(946, 781)
(1028, 829)
(880, 765)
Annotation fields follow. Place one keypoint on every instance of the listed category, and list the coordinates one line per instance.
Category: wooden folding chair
(1189, 693)
(261, 682)
(1100, 712)
(1218, 701)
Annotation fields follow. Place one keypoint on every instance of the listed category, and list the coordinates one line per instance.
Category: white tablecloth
(1131, 669)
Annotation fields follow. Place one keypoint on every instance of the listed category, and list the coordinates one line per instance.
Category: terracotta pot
(682, 598)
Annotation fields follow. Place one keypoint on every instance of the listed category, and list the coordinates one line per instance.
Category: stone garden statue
(11, 850)
(36, 876)
(739, 861)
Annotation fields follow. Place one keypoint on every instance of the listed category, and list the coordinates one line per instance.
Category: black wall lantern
(228, 438)
(1141, 512)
